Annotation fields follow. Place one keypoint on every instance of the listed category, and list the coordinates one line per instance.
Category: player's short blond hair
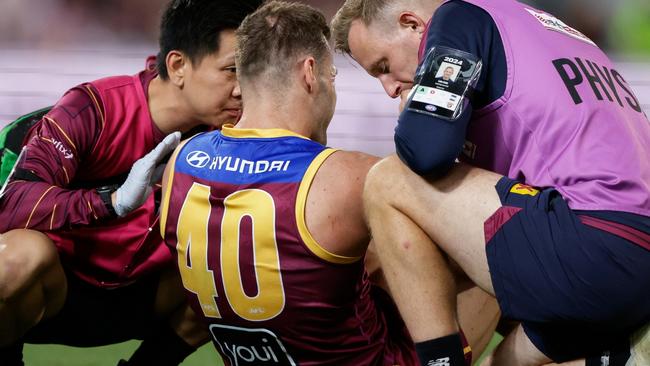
(365, 10)
(271, 39)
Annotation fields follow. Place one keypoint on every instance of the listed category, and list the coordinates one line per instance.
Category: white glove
(143, 175)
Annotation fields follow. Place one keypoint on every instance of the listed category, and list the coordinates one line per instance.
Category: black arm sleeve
(428, 145)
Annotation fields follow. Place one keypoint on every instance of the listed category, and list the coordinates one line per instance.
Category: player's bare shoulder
(335, 203)
(345, 173)
(349, 166)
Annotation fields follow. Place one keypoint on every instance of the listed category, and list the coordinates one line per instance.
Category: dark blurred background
(619, 26)
(48, 46)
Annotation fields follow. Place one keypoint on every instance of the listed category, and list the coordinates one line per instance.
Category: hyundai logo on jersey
(198, 159)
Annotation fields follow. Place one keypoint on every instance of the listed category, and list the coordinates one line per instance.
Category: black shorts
(576, 289)
(94, 316)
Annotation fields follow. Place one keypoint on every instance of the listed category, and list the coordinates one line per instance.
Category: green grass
(54, 355)
(496, 339)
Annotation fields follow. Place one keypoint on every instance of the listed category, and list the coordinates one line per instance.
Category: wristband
(105, 193)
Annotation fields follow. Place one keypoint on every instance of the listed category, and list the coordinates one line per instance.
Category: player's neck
(263, 113)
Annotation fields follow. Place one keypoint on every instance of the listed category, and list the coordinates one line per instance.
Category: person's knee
(24, 255)
(170, 294)
(518, 349)
(383, 181)
(171, 304)
(190, 326)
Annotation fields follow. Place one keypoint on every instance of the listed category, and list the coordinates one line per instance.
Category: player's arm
(334, 209)
(374, 269)
(37, 196)
(430, 145)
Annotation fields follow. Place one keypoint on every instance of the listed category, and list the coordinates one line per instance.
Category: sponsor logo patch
(552, 23)
(60, 146)
(250, 347)
(524, 190)
(198, 159)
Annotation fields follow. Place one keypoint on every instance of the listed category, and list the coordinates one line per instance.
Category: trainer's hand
(143, 175)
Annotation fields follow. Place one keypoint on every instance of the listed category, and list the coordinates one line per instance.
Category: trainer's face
(448, 73)
(210, 86)
(391, 59)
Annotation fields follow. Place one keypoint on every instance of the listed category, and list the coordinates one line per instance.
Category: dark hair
(271, 38)
(193, 27)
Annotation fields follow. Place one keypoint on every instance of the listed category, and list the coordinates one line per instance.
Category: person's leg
(373, 267)
(33, 285)
(478, 311)
(517, 349)
(152, 309)
(478, 316)
(171, 302)
(418, 276)
(410, 218)
(179, 332)
(637, 355)
(449, 212)
(641, 346)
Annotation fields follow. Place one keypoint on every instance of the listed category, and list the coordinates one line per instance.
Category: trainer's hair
(370, 12)
(194, 26)
(274, 37)
(366, 10)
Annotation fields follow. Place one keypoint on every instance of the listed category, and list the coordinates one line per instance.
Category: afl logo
(430, 108)
(198, 159)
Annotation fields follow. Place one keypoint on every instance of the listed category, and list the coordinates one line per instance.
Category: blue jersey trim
(233, 160)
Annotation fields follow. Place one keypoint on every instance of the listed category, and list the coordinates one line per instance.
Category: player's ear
(412, 21)
(308, 73)
(176, 67)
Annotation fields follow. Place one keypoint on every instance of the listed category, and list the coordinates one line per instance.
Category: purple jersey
(271, 295)
(567, 119)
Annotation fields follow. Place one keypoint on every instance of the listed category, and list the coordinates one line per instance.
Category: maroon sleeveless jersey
(271, 295)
